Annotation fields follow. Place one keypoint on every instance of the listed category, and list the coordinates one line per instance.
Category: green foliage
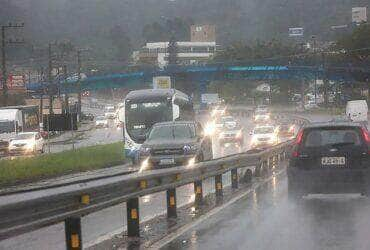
(159, 32)
(357, 44)
(259, 50)
(51, 165)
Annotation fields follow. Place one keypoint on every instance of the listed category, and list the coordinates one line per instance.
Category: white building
(188, 53)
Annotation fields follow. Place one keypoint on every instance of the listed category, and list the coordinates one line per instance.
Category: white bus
(144, 108)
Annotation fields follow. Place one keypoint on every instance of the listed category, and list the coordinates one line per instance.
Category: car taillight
(298, 141)
(365, 135)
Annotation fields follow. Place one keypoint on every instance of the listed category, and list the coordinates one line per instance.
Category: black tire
(200, 157)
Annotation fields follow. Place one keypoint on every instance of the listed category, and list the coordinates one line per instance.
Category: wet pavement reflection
(266, 219)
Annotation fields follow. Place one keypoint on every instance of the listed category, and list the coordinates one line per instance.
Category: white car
(261, 116)
(27, 142)
(110, 115)
(263, 137)
(229, 122)
(311, 105)
(101, 121)
(357, 111)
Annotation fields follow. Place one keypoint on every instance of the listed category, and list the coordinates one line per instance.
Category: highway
(104, 224)
(266, 219)
(262, 219)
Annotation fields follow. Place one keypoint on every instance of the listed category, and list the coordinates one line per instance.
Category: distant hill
(89, 22)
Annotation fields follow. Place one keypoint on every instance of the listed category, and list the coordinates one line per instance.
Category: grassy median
(27, 169)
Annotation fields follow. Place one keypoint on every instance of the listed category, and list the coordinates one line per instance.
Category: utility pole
(79, 82)
(3, 58)
(172, 56)
(50, 68)
(66, 99)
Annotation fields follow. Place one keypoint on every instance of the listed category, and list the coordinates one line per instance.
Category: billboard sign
(161, 82)
(293, 32)
(359, 15)
(15, 82)
(60, 122)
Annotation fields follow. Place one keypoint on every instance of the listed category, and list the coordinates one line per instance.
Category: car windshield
(261, 112)
(24, 136)
(6, 126)
(264, 130)
(178, 131)
(228, 119)
(331, 136)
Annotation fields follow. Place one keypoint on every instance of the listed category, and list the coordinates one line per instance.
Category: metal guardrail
(28, 211)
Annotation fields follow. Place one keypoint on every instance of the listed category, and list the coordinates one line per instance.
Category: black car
(175, 143)
(330, 158)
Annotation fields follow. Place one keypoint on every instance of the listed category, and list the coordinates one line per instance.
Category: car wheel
(200, 157)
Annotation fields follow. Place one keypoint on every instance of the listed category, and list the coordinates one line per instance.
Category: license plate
(166, 161)
(333, 161)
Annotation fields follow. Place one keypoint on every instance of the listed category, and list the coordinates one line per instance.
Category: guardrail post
(73, 233)
(198, 190)
(218, 186)
(133, 226)
(234, 178)
(171, 203)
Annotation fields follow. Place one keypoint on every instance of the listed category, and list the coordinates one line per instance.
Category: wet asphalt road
(260, 219)
(266, 220)
(103, 224)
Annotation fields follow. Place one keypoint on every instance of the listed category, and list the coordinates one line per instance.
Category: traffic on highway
(184, 125)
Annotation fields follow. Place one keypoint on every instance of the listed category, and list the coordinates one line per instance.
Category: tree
(156, 32)
(121, 41)
(357, 43)
(172, 51)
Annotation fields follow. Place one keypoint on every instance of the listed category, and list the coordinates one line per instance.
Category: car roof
(173, 123)
(136, 95)
(27, 133)
(332, 124)
(265, 126)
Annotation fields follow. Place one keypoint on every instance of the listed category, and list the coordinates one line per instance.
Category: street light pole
(79, 82)
(3, 59)
(3, 67)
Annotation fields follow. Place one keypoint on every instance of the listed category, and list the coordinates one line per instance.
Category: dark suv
(330, 158)
(175, 143)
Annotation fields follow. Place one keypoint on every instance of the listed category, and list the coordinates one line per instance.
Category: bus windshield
(140, 117)
(6, 126)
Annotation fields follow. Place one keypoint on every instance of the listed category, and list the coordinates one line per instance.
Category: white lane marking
(177, 233)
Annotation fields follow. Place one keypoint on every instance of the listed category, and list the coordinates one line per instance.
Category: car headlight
(30, 145)
(210, 128)
(190, 149)
(254, 140)
(145, 150)
(239, 134)
(273, 139)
